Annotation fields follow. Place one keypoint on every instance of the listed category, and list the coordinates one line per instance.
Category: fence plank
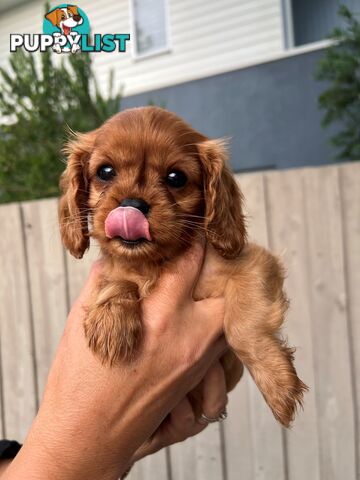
(287, 235)
(252, 187)
(262, 457)
(209, 454)
(78, 270)
(350, 192)
(46, 264)
(2, 430)
(17, 360)
(238, 433)
(199, 458)
(153, 467)
(329, 326)
(183, 460)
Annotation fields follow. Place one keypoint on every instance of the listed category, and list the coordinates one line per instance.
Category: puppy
(150, 185)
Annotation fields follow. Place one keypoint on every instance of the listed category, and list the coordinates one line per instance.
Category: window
(308, 21)
(150, 27)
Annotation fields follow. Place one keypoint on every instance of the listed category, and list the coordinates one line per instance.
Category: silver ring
(205, 420)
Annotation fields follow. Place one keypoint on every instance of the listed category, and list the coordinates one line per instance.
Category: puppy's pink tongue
(128, 223)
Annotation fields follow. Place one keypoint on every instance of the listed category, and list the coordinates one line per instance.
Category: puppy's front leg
(113, 323)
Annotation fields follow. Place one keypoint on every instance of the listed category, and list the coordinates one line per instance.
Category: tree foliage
(39, 102)
(341, 100)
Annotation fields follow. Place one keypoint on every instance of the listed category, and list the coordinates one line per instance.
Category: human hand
(182, 423)
(94, 418)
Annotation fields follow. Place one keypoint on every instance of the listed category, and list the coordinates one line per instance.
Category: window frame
(288, 31)
(288, 25)
(158, 51)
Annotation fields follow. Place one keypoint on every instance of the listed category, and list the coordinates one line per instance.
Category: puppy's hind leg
(255, 308)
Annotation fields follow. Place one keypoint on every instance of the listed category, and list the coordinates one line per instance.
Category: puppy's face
(155, 179)
(65, 17)
(149, 184)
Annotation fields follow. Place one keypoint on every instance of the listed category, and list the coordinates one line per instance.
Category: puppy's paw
(276, 377)
(286, 398)
(113, 330)
(56, 48)
(75, 48)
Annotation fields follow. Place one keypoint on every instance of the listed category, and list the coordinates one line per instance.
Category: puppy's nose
(77, 18)
(138, 203)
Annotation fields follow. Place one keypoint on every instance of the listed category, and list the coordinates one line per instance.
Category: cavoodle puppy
(149, 185)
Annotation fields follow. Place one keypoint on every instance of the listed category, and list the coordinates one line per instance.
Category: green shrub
(39, 103)
(341, 101)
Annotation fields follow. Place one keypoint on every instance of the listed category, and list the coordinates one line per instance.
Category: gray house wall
(270, 112)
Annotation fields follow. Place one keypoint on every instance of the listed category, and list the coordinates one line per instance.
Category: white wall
(206, 39)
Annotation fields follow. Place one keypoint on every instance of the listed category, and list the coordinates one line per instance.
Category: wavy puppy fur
(142, 146)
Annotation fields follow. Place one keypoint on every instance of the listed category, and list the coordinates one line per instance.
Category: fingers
(177, 427)
(214, 392)
(218, 349)
(176, 284)
(182, 418)
(183, 423)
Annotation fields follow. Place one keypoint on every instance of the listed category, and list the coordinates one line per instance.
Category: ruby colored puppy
(150, 185)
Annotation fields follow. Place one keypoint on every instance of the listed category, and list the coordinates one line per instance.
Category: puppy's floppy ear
(73, 207)
(53, 16)
(73, 9)
(225, 223)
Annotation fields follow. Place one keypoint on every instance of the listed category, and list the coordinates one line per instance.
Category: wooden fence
(312, 217)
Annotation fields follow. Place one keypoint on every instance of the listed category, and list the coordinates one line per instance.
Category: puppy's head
(148, 184)
(67, 16)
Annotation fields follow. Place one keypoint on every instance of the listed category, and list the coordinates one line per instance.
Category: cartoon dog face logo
(65, 18)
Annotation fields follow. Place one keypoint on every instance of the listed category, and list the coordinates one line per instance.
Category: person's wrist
(32, 462)
(4, 464)
(61, 438)
(51, 451)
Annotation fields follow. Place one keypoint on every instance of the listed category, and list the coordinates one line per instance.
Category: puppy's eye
(106, 173)
(176, 179)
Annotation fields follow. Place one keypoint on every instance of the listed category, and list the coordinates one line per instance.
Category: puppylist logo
(66, 29)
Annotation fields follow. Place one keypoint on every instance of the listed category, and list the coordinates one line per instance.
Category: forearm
(62, 455)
